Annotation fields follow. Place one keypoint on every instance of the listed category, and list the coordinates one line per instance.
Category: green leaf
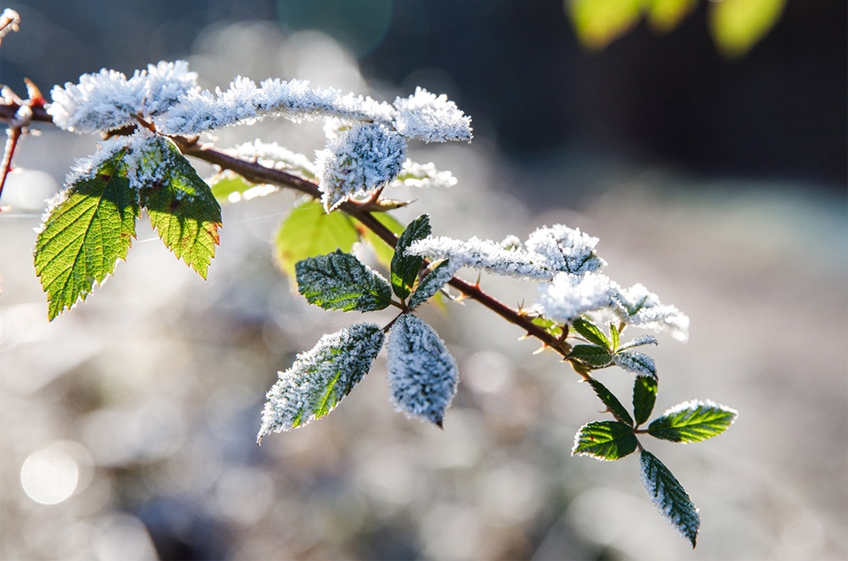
(591, 332)
(431, 284)
(693, 421)
(591, 355)
(320, 378)
(405, 267)
(670, 497)
(604, 440)
(181, 206)
(85, 234)
(308, 231)
(340, 281)
(384, 252)
(737, 25)
(615, 337)
(664, 15)
(644, 397)
(227, 183)
(613, 404)
(599, 22)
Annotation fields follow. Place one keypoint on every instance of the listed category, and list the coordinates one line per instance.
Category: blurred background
(712, 168)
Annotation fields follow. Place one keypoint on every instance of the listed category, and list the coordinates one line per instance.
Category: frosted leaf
(670, 497)
(102, 101)
(424, 116)
(272, 155)
(360, 160)
(639, 307)
(161, 86)
(244, 102)
(568, 296)
(86, 168)
(640, 341)
(320, 378)
(636, 362)
(565, 249)
(432, 283)
(339, 281)
(423, 175)
(422, 373)
(500, 258)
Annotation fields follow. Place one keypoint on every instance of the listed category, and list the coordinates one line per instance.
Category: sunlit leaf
(340, 281)
(737, 25)
(591, 355)
(664, 15)
(85, 234)
(404, 267)
(670, 497)
(604, 440)
(599, 22)
(613, 404)
(644, 397)
(591, 332)
(693, 421)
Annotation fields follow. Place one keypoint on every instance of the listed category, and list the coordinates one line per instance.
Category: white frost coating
(569, 296)
(640, 341)
(244, 102)
(161, 86)
(432, 283)
(320, 378)
(639, 307)
(422, 373)
(424, 116)
(101, 101)
(565, 249)
(360, 160)
(636, 362)
(501, 258)
(423, 175)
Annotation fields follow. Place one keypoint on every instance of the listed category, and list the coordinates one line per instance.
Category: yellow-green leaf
(737, 25)
(599, 22)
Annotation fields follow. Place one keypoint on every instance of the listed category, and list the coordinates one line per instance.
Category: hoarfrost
(501, 258)
(361, 159)
(422, 373)
(423, 175)
(102, 101)
(565, 249)
(636, 362)
(424, 116)
(669, 496)
(569, 296)
(639, 307)
(272, 155)
(320, 378)
(432, 283)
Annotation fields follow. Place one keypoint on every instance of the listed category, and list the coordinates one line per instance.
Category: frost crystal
(423, 175)
(102, 101)
(669, 496)
(161, 86)
(569, 296)
(360, 160)
(422, 373)
(424, 116)
(272, 155)
(636, 362)
(565, 249)
(639, 307)
(500, 258)
(320, 378)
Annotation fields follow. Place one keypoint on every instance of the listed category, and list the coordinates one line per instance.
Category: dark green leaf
(644, 397)
(181, 206)
(604, 440)
(670, 497)
(85, 234)
(431, 284)
(613, 404)
(339, 281)
(693, 421)
(320, 378)
(591, 355)
(591, 332)
(385, 253)
(308, 231)
(405, 267)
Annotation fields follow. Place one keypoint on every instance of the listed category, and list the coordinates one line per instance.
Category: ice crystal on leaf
(422, 373)
(320, 378)
(360, 160)
(565, 249)
(102, 101)
(413, 174)
(636, 362)
(568, 296)
(670, 497)
(500, 258)
(639, 307)
(160, 87)
(424, 116)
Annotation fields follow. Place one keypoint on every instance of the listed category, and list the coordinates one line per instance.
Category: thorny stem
(257, 173)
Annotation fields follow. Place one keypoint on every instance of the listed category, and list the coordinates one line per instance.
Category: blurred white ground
(127, 426)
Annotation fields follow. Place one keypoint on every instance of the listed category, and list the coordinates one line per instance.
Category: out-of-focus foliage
(735, 25)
